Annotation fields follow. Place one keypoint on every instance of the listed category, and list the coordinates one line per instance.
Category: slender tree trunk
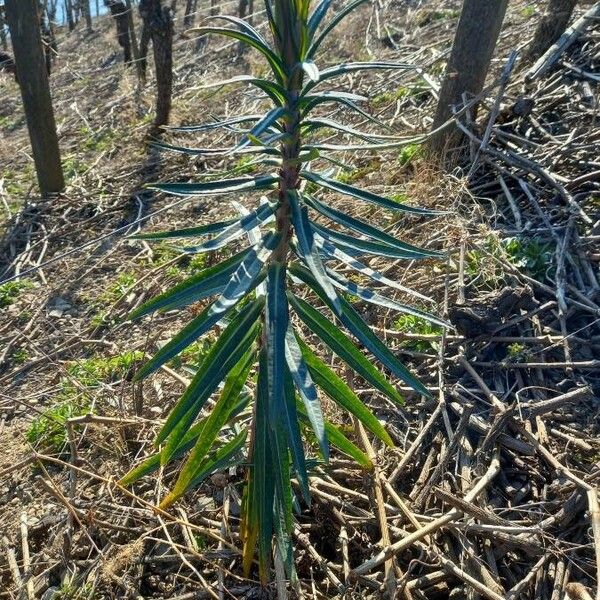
(144, 43)
(250, 11)
(69, 14)
(242, 8)
(552, 25)
(3, 41)
(132, 34)
(159, 23)
(474, 42)
(97, 8)
(119, 12)
(47, 42)
(87, 13)
(23, 22)
(188, 17)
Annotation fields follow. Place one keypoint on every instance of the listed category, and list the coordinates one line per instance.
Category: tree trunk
(188, 17)
(48, 42)
(97, 8)
(132, 35)
(250, 11)
(214, 7)
(159, 23)
(552, 25)
(23, 22)
(143, 60)
(69, 14)
(474, 42)
(3, 29)
(119, 12)
(87, 14)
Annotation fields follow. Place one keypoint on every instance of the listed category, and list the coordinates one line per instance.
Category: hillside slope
(515, 383)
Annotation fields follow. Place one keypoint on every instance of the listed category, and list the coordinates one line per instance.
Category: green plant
(533, 256)
(48, 430)
(10, 291)
(119, 287)
(528, 11)
(20, 356)
(516, 352)
(97, 369)
(290, 254)
(408, 153)
(413, 324)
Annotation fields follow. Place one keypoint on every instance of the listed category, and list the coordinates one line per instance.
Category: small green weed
(414, 91)
(9, 292)
(517, 353)
(408, 153)
(123, 282)
(48, 431)
(92, 371)
(528, 12)
(413, 324)
(353, 175)
(529, 254)
(73, 590)
(73, 167)
(197, 264)
(97, 141)
(20, 356)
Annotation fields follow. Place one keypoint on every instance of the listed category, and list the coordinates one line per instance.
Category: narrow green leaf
(243, 25)
(374, 298)
(213, 367)
(362, 332)
(224, 186)
(214, 373)
(152, 463)
(262, 470)
(341, 393)
(219, 415)
(363, 228)
(294, 437)
(317, 16)
(211, 152)
(222, 459)
(341, 442)
(350, 190)
(320, 123)
(263, 125)
(208, 282)
(307, 247)
(224, 124)
(263, 214)
(311, 101)
(273, 60)
(342, 346)
(183, 233)
(273, 90)
(302, 379)
(248, 275)
(346, 68)
(336, 19)
(330, 251)
(205, 321)
(353, 244)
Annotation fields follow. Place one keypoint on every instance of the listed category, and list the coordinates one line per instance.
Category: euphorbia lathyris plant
(289, 248)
